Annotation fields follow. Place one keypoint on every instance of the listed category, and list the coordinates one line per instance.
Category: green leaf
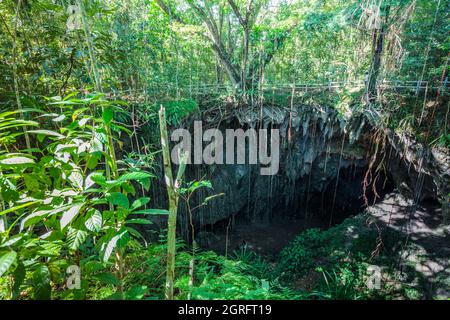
(39, 215)
(94, 222)
(6, 260)
(92, 266)
(31, 183)
(16, 208)
(139, 221)
(98, 178)
(59, 118)
(136, 293)
(119, 199)
(76, 179)
(145, 183)
(11, 240)
(108, 278)
(19, 277)
(41, 283)
(16, 161)
(152, 211)
(75, 238)
(70, 214)
(110, 248)
(138, 175)
(107, 115)
(50, 249)
(140, 202)
(93, 160)
(128, 188)
(47, 133)
(135, 233)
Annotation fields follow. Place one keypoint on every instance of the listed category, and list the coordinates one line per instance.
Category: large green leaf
(107, 115)
(16, 208)
(138, 175)
(70, 214)
(94, 221)
(108, 278)
(111, 245)
(47, 133)
(6, 260)
(76, 179)
(140, 202)
(75, 238)
(119, 199)
(19, 160)
(41, 283)
(19, 276)
(50, 249)
(98, 178)
(39, 215)
(136, 293)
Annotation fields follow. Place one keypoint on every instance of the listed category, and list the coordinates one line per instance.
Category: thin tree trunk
(172, 192)
(15, 76)
(378, 42)
(111, 163)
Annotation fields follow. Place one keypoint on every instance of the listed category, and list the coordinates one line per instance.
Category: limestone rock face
(419, 171)
(315, 144)
(321, 153)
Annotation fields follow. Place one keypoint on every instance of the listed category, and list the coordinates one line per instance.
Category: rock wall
(323, 159)
(316, 146)
(420, 172)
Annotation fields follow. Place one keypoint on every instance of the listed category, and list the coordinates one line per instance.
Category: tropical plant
(57, 197)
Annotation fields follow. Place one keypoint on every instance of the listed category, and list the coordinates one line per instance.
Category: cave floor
(266, 238)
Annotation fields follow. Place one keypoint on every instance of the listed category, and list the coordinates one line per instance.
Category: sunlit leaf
(75, 238)
(47, 133)
(6, 260)
(94, 222)
(16, 161)
(70, 214)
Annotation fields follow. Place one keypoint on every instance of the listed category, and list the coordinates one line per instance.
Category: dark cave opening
(269, 233)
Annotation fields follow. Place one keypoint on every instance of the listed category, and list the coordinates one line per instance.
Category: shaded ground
(413, 244)
(423, 252)
(264, 238)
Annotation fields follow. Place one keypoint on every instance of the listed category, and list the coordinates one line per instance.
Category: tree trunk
(378, 43)
(172, 192)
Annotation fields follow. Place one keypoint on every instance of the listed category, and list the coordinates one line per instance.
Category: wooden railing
(172, 90)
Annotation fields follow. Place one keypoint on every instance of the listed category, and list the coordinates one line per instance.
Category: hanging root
(378, 139)
(379, 241)
(370, 181)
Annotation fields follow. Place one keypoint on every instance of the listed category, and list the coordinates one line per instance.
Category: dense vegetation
(78, 80)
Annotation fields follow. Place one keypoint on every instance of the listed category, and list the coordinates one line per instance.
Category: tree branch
(238, 14)
(215, 39)
(169, 11)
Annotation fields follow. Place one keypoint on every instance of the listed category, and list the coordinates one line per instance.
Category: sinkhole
(270, 231)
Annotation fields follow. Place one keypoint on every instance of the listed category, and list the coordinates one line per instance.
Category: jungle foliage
(80, 79)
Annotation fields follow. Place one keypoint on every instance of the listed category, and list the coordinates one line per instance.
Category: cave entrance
(341, 198)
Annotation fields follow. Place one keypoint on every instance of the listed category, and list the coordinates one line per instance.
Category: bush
(302, 254)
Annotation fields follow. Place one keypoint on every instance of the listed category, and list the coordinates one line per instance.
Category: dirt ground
(424, 257)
